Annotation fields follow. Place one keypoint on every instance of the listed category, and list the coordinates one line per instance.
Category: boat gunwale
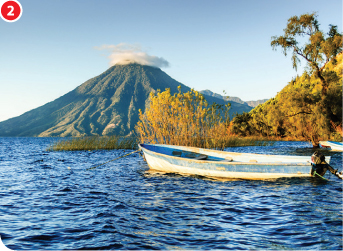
(226, 162)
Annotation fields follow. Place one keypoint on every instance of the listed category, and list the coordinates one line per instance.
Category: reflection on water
(49, 200)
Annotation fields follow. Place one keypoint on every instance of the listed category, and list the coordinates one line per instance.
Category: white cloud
(128, 53)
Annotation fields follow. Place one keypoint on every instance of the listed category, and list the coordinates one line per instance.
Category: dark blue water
(49, 200)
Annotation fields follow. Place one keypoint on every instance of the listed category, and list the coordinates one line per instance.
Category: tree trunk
(315, 141)
(323, 82)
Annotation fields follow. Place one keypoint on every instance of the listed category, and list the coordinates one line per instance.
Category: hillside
(252, 103)
(300, 110)
(104, 105)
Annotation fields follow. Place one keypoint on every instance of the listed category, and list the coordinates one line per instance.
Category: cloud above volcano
(128, 53)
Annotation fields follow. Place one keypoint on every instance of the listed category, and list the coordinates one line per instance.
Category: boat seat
(190, 155)
(177, 153)
(201, 157)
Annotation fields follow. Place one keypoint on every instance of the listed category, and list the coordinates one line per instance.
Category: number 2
(10, 13)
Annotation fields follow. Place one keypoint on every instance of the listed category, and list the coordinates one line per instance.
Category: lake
(51, 200)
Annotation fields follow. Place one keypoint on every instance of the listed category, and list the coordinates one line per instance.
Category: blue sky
(212, 44)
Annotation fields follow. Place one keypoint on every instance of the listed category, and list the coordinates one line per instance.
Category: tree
(183, 119)
(318, 50)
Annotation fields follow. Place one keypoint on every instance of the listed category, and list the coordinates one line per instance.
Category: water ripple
(50, 200)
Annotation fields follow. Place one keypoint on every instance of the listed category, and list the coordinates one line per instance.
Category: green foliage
(318, 50)
(310, 106)
(242, 125)
(299, 111)
(94, 143)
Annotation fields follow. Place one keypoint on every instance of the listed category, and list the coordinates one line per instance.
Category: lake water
(50, 200)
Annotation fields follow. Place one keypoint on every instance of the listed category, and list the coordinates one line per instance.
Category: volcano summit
(104, 105)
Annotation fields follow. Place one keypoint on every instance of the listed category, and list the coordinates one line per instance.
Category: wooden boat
(334, 146)
(206, 162)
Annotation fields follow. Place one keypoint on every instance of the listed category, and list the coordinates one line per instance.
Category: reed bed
(235, 141)
(94, 143)
(116, 142)
(230, 141)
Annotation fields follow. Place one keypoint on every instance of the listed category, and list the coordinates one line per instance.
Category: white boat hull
(334, 146)
(257, 167)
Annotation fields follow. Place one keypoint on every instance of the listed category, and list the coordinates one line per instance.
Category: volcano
(107, 104)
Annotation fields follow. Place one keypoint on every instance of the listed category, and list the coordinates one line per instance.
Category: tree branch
(300, 54)
(298, 114)
(321, 68)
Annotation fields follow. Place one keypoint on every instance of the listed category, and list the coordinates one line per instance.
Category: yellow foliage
(300, 111)
(183, 119)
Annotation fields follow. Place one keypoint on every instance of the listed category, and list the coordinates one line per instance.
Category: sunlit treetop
(318, 49)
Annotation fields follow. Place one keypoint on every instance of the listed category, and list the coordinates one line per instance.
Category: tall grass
(94, 143)
(116, 142)
(236, 141)
(187, 119)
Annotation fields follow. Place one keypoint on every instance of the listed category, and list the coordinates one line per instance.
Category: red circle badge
(11, 10)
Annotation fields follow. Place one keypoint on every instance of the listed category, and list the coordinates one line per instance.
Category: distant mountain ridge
(104, 105)
(235, 99)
